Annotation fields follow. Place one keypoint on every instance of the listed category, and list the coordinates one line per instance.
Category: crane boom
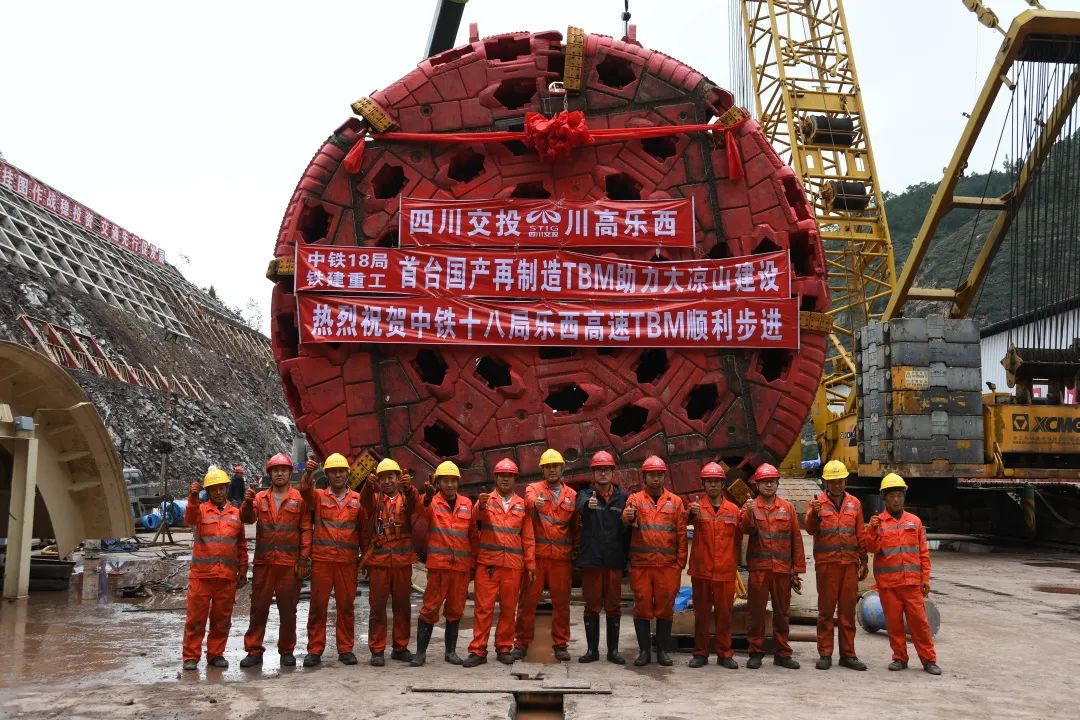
(809, 104)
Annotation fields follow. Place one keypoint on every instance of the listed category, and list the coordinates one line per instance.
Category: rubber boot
(450, 655)
(663, 642)
(423, 637)
(613, 656)
(644, 639)
(592, 639)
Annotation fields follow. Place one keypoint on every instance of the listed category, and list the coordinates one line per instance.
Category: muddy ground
(1007, 644)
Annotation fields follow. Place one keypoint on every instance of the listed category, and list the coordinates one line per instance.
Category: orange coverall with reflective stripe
(218, 560)
(282, 537)
(507, 549)
(714, 558)
(452, 542)
(773, 554)
(901, 567)
(839, 550)
(554, 529)
(388, 560)
(657, 552)
(335, 550)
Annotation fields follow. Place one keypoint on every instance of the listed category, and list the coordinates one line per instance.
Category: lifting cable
(1043, 254)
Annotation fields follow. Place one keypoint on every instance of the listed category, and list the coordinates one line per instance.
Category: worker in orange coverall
(338, 519)
(835, 520)
(551, 504)
(902, 572)
(714, 560)
(389, 501)
(657, 557)
(219, 563)
(774, 556)
(451, 553)
(506, 557)
(282, 558)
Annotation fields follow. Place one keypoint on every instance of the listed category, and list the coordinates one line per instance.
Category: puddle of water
(91, 634)
(1058, 589)
(540, 650)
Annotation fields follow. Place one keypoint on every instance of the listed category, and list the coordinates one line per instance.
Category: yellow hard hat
(215, 476)
(337, 460)
(551, 457)
(834, 470)
(447, 469)
(387, 465)
(892, 481)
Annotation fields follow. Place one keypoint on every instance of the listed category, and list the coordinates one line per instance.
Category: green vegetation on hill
(1049, 210)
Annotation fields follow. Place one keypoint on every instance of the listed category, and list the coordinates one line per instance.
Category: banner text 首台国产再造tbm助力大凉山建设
(527, 274)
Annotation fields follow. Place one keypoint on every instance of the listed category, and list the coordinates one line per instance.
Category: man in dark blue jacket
(602, 556)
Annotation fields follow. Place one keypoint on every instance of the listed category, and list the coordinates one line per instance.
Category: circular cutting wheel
(477, 404)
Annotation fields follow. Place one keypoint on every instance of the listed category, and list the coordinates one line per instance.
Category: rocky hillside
(245, 420)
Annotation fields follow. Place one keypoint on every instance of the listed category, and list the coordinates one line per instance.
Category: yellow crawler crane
(808, 101)
(1028, 444)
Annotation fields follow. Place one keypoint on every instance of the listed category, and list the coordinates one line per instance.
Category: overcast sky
(189, 124)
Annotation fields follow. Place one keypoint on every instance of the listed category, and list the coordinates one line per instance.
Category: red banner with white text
(739, 322)
(517, 223)
(42, 195)
(527, 274)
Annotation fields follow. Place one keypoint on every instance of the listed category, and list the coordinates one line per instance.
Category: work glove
(925, 587)
(864, 570)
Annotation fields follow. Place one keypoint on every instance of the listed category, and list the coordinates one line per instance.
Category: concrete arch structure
(61, 449)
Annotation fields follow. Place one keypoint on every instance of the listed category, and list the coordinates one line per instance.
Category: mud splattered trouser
(445, 586)
(267, 583)
(213, 599)
(394, 584)
(501, 584)
(339, 577)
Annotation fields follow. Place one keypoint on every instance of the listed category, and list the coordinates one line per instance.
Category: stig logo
(1021, 422)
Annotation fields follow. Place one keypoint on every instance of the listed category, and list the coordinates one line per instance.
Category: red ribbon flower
(554, 139)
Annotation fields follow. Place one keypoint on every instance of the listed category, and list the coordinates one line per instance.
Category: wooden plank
(507, 688)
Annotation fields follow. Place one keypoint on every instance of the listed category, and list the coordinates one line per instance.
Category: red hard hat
(653, 464)
(279, 460)
(602, 459)
(239, 469)
(765, 471)
(506, 465)
(713, 470)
